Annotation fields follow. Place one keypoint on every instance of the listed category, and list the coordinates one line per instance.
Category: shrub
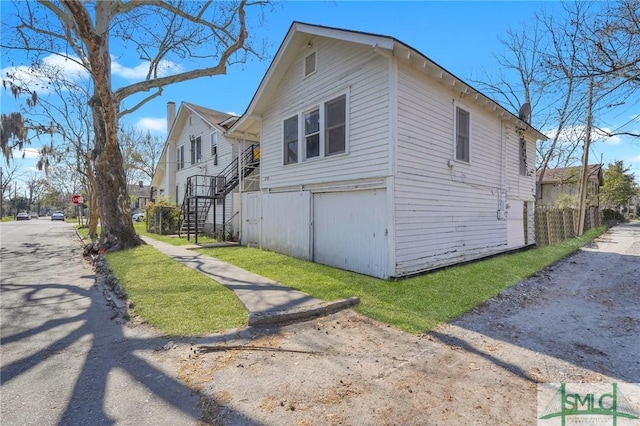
(164, 213)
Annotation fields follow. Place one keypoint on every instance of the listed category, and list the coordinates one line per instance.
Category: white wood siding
(342, 67)
(350, 231)
(279, 222)
(445, 210)
(226, 154)
(520, 189)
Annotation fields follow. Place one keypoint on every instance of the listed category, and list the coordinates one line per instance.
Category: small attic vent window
(310, 64)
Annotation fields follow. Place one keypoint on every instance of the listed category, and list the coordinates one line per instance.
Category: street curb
(301, 313)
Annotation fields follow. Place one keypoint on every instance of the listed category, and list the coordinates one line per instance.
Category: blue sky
(460, 36)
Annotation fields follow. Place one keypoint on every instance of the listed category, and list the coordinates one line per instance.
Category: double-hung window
(196, 150)
(312, 133)
(180, 157)
(463, 132)
(214, 147)
(291, 140)
(322, 132)
(335, 125)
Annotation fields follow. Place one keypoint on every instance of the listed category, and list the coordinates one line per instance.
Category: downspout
(502, 190)
(241, 190)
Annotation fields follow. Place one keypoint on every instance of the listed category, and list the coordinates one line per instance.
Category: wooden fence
(554, 225)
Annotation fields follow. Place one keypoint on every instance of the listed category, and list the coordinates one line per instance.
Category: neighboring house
(563, 185)
(377, 160)
(139, 195)
(190, 171)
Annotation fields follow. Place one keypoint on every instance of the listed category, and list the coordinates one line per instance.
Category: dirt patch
(577, 321)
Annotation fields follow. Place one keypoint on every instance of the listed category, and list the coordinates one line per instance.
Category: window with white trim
(290, 130)
(196, 150)
(463, 132)
(316, 133)
(336, 124)
(180, 157)
(312, 134)
(310, 64)
(214, 147)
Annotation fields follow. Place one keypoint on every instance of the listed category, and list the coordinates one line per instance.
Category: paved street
(64, 361)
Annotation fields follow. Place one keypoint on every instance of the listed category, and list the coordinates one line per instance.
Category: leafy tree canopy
(618, 187)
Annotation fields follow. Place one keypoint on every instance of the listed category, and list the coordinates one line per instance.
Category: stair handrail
(228, 222)
(229, 178)
(183, 206)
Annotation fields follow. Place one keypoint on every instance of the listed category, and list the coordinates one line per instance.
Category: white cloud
(568, 135)
(577, 133)
(69, 68)
(139, 72)
(602, 135)
(29, 153)
(152, 124)
(38, 78)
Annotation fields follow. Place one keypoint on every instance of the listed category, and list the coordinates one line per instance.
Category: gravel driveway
(578, 321)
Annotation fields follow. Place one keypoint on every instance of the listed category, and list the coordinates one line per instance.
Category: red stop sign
(76, 199)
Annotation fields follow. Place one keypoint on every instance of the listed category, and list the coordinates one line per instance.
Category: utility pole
(585, 165)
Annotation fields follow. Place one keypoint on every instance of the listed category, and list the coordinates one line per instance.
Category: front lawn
(417, 304)
(172, 297)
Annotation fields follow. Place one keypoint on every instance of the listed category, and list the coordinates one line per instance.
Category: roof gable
(211, 116)
(300, 34)
(215, 119)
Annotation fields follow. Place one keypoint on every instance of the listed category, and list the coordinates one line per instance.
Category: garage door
(350, 231)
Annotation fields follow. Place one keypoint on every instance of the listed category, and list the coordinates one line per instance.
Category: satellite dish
(525, 112)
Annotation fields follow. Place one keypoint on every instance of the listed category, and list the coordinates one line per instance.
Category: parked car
(33, 215)
(22, 216)
(57, 216)
(138, 217)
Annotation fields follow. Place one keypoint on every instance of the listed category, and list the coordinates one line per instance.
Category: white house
(139, 195)
(196, 157)
(377, 160)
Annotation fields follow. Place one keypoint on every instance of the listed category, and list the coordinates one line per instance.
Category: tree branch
(141, 103)
(220, 68)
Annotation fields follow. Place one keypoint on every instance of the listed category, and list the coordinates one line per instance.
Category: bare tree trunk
(94, 215)
(117, 230)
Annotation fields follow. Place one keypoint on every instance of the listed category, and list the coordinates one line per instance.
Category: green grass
(7, 219)
(141, 229)
(173, 298)
(417, 304)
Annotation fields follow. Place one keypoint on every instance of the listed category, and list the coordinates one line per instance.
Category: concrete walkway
(268, 302)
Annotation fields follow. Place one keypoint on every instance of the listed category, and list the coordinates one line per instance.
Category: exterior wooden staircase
(202, 190)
